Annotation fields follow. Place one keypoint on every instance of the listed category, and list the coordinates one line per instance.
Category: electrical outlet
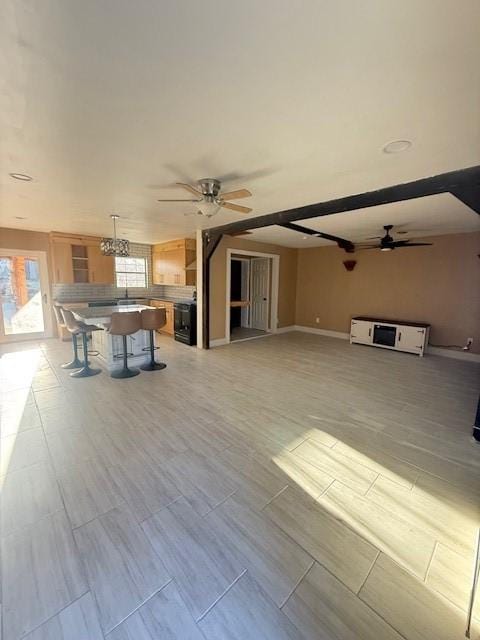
(317, 320)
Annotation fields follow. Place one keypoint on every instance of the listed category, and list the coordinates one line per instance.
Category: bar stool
(153, 319)
(75, 327)
(124, 324)
(76, 363)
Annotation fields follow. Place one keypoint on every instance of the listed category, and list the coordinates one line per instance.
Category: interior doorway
(24, 286)
(252, 295)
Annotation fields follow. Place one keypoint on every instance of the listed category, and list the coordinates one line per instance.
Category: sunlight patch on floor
(17, 371)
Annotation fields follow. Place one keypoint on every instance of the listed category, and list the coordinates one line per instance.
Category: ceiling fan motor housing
(210, 188)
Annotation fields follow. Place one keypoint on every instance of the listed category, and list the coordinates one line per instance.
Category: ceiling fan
(387, 243)
(208, 191)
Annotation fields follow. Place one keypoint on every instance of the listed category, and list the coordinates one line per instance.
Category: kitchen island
(109, 347)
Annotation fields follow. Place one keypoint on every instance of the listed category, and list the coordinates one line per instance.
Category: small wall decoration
(349, 264)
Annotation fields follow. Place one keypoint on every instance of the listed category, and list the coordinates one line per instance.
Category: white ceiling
(107, 104)
(419, 218)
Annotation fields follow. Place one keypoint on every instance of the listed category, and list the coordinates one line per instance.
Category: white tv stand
(398, 335)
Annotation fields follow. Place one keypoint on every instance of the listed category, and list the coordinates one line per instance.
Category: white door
(24, 305)
(361, 331)
(260, 278)
(410, 339)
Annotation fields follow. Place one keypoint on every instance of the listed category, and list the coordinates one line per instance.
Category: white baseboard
(434, 351)
(451, 353)
(285, 329)
(466, 356)
(322, 332)
(218, 342)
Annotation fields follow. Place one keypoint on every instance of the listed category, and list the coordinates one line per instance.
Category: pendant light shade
(115, 246)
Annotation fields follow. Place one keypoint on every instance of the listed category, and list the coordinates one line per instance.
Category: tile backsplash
(86, 291)
(72, 292)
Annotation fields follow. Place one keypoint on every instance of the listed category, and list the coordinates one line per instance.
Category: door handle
(45, 299)
(399, 336)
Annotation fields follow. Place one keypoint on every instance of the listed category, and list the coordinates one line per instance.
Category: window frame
(129, 273)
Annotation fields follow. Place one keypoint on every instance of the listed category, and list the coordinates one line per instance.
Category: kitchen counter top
(97, 300)
(168, 299)
(102, 315)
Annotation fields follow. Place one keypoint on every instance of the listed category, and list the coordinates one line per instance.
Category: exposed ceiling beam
(463, 181)
(470, 196)
(348, 246)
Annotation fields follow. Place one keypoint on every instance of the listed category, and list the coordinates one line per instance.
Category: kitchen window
(131, 272)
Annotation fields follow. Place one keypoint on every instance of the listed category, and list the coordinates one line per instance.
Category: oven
(185, 322)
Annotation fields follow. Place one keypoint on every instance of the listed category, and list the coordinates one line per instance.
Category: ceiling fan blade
(235, 195)
(181, 200)
(235, 207)
(189, 187)
(406, 243)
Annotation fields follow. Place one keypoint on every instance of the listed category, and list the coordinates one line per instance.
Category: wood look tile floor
(290, 487)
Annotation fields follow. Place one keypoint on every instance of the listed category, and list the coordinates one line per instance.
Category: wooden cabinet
(77, 259)
(169, 312)
(101, 269)
(62, 263)
(170, 261)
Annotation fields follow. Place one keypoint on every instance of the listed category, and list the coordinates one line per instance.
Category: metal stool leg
(86, 371)
(125, 372)
(76, 363)
(152, 365)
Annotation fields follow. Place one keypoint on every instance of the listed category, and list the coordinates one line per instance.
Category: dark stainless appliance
(185, 322)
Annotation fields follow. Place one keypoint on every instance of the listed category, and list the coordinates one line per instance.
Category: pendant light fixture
(114, 246)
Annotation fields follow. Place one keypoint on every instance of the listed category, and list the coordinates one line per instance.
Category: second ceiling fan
(209, 191)
(388, 243)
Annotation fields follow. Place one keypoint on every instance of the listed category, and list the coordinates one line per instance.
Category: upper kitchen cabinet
(77, 259)
(170, 261)
(101, 269)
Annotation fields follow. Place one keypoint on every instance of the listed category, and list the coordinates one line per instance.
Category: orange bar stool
(153, 319)
(125, 323)
(76, 363)
(80, 328)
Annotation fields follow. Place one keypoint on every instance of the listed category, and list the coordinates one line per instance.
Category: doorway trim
(273, 322)
(41, 256)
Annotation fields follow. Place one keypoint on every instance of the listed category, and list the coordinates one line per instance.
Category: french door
(24, 296)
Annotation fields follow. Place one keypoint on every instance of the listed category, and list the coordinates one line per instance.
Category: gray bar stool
(124, 324)
(76, 363)
(153, 319)
(75, 327)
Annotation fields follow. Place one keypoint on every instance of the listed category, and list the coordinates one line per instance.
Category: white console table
(398, 335)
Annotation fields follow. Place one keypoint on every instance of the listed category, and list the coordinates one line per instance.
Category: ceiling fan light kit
(208, 192)
(118, 247)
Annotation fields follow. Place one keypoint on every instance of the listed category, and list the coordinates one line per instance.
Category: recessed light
(304, 237)
(21, 176)
(397, 146)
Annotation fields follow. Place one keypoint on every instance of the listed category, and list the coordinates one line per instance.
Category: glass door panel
(22, 304)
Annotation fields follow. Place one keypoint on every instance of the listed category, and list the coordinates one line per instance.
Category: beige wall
(438, 284)
(287, 282)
